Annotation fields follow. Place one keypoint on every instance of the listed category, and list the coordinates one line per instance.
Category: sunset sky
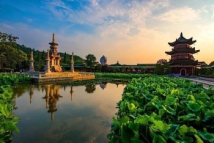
(128, 31)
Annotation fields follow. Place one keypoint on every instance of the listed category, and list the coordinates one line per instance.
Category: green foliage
(162, 109)
(90, 60)
(8, 120)
(7, 79)
(10, 56)
(162, 69)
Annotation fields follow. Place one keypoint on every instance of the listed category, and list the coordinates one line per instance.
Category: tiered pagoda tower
(182, 61)
(54, 56)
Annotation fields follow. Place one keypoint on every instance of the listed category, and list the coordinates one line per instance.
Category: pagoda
(182, 61)
(54, 56)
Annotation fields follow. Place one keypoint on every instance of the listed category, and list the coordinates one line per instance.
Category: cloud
(179, 15)
(213, 11)
(29, 19)
(7, 26)
(99, 12)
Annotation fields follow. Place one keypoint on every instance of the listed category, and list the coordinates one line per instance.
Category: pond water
(65, 114)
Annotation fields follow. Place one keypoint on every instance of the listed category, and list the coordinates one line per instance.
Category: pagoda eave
(53, 43)
(189, 41)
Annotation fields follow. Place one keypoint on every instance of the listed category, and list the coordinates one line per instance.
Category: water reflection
(103, 85)
(71, 92)
(31, 92)
(85, 119)
(51, 97)
(90, 88)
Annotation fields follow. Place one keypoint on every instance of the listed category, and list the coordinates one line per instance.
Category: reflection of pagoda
(31, 93)
(51, 97)
(182, 61)
(71, 92)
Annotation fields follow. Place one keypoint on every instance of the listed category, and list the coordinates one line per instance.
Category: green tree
(212, 63)
(65, 58)
(38, 56)
(98, 67)
(11, 56)
(161, 69)
(90, 60)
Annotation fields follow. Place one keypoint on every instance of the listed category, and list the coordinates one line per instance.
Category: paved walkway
(207, 82)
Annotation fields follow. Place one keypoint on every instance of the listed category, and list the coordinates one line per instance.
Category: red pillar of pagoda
(182, 61)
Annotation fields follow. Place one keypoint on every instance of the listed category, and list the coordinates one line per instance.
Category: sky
(128, 31)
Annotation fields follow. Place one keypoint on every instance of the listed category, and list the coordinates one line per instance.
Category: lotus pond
(149, 109)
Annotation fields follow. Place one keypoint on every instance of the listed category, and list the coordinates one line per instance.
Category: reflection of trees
(51, 97)
(31, 92)
(19, 90)
(90, 88)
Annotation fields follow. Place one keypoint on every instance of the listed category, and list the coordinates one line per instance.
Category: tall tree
(65, 58)
(90, 60)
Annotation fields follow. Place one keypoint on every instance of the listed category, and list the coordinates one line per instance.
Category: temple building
(54, 56)
(182, 61)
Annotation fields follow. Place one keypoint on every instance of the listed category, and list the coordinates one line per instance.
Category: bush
(6, 70)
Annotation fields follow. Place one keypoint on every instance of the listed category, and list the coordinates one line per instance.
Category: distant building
(103, 60)
(182, 61)
(143, 68)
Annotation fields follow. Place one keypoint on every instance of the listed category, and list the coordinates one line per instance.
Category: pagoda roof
(202, 63)
(117, 64)
(183, 50)
(183, 62)
(182, 40)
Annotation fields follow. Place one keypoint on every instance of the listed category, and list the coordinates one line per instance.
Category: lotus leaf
(192, 130)
(206, 136)
(124, 120)
(142, 120)
(172, 130)
(147, 96)
(158, 139)
(191, 98)
(183, 130)
(169, 110)
(161, 126)
(195, 107)
(170, 100)
(198, 139)
(188, 117)
(132, 107)
(133, 126)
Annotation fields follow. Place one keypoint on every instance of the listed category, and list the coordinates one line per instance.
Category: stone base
(56, 68)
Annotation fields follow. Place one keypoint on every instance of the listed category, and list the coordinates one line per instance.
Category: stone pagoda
(54, 56)
(182, 61)
(72, 63)
(31, 62)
